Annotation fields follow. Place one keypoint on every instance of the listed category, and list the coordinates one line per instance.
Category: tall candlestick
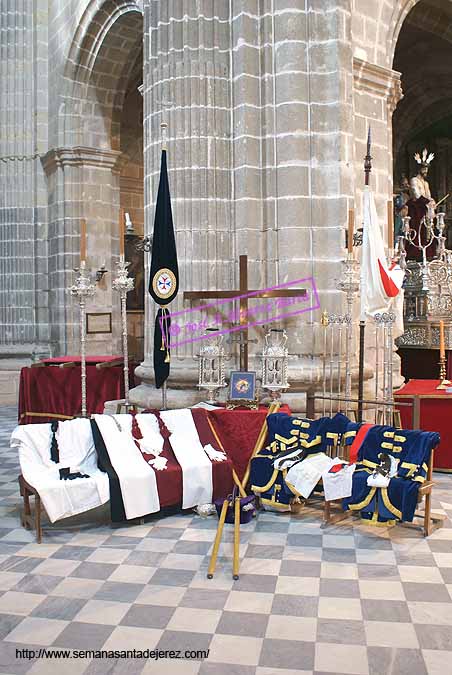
(442, 347)
(351, 228)
(390, 225)
(121, 232)
(82, 240)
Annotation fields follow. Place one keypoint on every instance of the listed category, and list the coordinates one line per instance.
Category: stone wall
(268, 104)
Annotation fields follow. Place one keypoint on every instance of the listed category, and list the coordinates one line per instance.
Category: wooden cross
(243, 308)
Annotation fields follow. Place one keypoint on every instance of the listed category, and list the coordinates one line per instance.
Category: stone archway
(422, 51)
(422, 56)
(83, 171)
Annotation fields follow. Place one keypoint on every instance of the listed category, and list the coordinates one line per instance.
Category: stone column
(82, 183)
(186, 84)
(24, 321)
(308, 144)
(377, 91)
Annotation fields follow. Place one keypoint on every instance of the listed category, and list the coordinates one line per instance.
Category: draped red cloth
(238, 431)
(55, 393)
(435, 415)
(169, 481)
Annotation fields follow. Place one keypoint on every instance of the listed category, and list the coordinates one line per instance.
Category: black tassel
(54, 451)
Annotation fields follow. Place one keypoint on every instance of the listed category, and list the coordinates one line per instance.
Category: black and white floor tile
(349, 599)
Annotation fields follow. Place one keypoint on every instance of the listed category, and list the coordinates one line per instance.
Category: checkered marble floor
(350, 599)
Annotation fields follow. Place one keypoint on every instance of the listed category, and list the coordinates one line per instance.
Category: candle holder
(82, 289)
(123, 284)
(443, 382)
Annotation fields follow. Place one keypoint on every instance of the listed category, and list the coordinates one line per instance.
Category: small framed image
(98, 322)
(242, 386)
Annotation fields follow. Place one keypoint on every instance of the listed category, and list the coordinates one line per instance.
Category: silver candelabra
(82, 289)
(123, 284)
(429, 233)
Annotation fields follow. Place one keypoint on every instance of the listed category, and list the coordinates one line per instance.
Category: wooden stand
(241, 485)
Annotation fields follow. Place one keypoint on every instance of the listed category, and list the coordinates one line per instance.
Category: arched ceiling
(423, 56)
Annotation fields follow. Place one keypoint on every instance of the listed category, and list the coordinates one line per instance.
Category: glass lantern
(211, 364)
(274, 362)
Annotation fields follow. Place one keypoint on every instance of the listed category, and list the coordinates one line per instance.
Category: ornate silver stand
(123, 284)
(349, 284)
(82, 289)
(428, 285)
(384, 323)
(429, 232)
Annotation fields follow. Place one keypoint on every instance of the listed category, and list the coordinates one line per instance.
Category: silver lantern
(274, 362)
(211, 364)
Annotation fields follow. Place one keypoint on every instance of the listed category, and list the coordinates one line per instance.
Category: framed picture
(98, 322)
(135, 297)
(242, 386)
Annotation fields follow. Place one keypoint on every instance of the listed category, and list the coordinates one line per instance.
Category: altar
(431, 410)
(51, 388)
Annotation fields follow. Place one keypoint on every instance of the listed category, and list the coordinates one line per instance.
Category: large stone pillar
(24, 316)
(259, 104)
(307, 94)
(187, 85)
(377, 91)
(24, 322)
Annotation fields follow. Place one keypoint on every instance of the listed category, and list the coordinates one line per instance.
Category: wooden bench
(27, 519)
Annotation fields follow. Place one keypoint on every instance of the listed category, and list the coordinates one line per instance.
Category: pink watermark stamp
(189, 325)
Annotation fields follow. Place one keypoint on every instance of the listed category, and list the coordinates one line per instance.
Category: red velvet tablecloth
(238, 431)
(51, 392)
(431, 411)
(91, 360)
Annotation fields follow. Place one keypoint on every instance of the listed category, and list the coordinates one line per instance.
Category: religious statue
(400, 207)
(420, 203)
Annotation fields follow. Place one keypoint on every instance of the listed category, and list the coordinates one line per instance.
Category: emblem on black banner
(164, 283)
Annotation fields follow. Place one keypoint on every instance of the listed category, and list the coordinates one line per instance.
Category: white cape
(136, 478)
(195, 464)
(62, 498)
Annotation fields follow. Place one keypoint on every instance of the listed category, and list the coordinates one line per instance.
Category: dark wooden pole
(362, 323)
(243, 274)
